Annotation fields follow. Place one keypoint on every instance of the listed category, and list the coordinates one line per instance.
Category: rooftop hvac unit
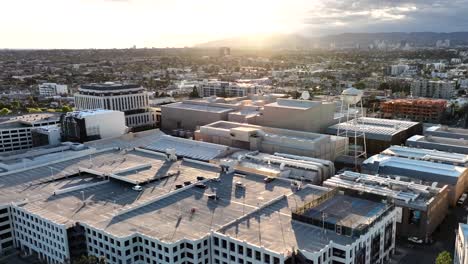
(171, 154)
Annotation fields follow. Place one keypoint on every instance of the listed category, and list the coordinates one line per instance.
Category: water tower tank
(351, 96)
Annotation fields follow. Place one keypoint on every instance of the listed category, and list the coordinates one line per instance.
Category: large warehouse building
(302, 115)
(425, 172)
(380, 133)
(271, 140)
(142, 206)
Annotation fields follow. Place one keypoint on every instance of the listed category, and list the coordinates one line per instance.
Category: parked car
(137, 188)
(200, 185)
(415, 240)
(462, 199)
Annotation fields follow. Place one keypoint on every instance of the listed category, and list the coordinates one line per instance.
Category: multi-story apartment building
(143, 206)
(15, 132)
(226, 89)
(433, 89)
(52, 89)
(461, 245)
(421, 110)
(131, 99)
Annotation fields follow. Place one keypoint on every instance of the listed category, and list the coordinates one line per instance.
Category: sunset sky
(178, 23)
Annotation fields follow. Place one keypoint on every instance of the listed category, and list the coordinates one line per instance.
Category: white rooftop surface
(426, 154)
(439, 140)
(416, 165)
(198, 107)
(130, 140)
(375, 128)
(188, 148)
(407, 192)
(294, 104)
(441, 128)
(85, 113)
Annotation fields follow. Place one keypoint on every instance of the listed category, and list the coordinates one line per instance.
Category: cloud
(387, 15)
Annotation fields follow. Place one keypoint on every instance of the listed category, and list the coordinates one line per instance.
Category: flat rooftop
(402, 192)
(347, 211)
(375, 128)
(189, 148)
(430, 171)
(109, 86)
(449, 144)
(449, 132)
(198, 107)
(28, 120)
(294, 104)
(426, 154)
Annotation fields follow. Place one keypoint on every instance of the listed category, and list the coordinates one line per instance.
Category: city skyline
(145, 23)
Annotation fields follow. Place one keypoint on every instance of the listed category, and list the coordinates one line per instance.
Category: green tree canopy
(5, 111)
(444, 257)
(66, 109)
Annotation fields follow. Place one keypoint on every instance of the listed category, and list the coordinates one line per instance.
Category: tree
(194, 93)
(90, 260)
(444, 257)
(5, 111)
(66, 109)
(15, 105)
(360, 85)
(384, 86)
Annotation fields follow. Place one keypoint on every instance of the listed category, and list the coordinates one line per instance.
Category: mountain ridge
(297, 41)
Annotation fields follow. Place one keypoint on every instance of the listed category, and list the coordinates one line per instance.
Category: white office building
(226, 89)
(433, 89)
(52, 89)
(93, 124)
(131, 99)
(15, 132)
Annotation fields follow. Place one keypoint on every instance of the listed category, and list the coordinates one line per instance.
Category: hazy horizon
(73, 24)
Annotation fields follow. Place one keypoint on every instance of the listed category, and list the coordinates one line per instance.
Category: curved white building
(132, 99)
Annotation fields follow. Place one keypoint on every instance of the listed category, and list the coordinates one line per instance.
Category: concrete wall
(189, 119)
(315, 119)
(109, 124)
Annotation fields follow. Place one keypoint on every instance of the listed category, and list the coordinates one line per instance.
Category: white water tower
(351, 113)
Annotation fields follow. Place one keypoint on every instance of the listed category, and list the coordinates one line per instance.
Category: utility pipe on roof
(326, 162)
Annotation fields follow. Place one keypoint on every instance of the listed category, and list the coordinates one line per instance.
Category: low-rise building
(420, 208)
(89, 125)
(15, 132)
(447, 132)
(46, 136)
(272, 140)
(439, 143)
(420, 171)
(379, 133)
(427, 155)
(309, 116)
(52, 89)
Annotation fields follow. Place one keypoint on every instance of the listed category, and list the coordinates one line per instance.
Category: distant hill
(294, 41)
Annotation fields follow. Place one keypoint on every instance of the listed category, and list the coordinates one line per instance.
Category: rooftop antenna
(352, 110)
